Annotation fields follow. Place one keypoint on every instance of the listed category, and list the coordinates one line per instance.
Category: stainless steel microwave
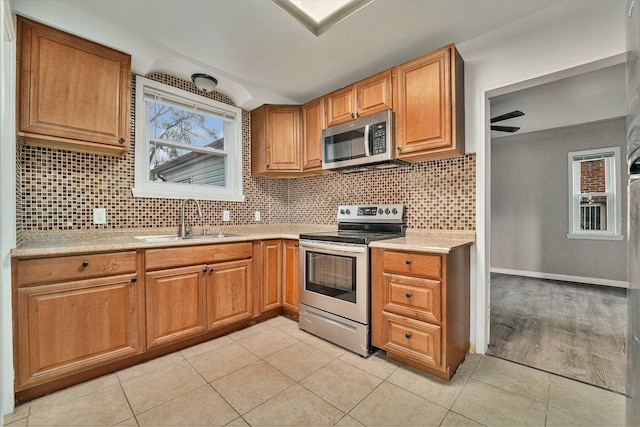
(363, 141)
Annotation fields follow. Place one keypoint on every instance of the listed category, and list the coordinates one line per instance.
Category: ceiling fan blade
(511, 115)
(510, 129)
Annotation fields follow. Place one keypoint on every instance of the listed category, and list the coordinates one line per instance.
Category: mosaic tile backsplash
(58, 190)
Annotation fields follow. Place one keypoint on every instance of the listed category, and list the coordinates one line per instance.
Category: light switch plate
(226, 216)
(100, 216)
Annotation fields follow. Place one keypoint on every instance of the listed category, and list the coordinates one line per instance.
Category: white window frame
(613, 192)
(144, 187)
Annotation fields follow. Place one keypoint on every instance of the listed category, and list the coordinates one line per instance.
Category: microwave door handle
(367, 148)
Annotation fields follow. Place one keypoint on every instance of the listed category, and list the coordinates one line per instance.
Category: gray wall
(529, 203)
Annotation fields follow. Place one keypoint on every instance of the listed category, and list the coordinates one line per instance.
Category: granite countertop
(436, 241)
(74, 242)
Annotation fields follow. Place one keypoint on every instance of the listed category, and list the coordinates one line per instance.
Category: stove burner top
(363, 224)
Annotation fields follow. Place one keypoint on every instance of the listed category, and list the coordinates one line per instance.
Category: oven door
(335, 278)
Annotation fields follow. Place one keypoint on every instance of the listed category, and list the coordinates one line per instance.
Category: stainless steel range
(335, 274)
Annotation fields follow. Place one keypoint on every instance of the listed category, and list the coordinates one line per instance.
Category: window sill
(585, 236)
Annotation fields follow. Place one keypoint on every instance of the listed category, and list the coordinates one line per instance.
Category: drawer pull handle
(85, 263)
(408, 295)
(407, 335)
(407, 262)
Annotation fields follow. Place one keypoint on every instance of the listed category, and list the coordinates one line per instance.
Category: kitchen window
(594, 194)
(187, 146)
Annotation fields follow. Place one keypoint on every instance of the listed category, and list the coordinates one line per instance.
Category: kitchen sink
(174, 238)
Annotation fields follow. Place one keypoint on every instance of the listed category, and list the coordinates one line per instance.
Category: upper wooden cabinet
(275, 140)
(368, 96)
(429, 106)
(71, 93)
(286, 140)
(312, 125)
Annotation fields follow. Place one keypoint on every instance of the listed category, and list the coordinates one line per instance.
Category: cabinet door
(69, 327)
(340, 106)
(423, 104)
(271, 274)
(312, 124)
(291, 275)
(229, 293)
(283, 138)
(374, 94)
(72, 93)
(176, 304)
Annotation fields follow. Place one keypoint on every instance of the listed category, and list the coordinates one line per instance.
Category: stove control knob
(394, 211)
(348, 212)
(380, 211)
(341, 211)
(387, 211)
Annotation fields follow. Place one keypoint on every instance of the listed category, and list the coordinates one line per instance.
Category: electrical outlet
(257, 216)
(100, 216)
(226, 216)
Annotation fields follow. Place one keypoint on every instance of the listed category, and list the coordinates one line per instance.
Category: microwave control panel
(379, 132)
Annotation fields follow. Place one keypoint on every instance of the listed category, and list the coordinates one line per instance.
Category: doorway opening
(556, 303)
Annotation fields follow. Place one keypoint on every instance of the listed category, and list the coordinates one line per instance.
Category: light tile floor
(273, 374)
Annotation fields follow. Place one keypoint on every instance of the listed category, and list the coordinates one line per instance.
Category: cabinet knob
(296, 245)
(352, 115)
(134, 280)
(408, 295)
(408, 261)
(85, 263)
(407, 335)
(211, 270)
(358, 114)
(399, 148)
(122, 140)
(268, 165)
(204, 270)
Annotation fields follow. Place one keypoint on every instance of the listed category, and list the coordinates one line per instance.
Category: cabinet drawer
(76, 267)
(412, 263)
(414, 297)
(189, 255)
(415, 340)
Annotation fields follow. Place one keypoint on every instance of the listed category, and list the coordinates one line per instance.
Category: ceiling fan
(510, 129)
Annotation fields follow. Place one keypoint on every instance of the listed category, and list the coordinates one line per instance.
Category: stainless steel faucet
(184, 230)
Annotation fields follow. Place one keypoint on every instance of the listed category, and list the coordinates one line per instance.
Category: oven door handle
(333, 248)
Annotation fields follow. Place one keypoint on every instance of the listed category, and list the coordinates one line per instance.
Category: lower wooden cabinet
(79, 316)
(65, 328)
(278, 275)
(420, 308)
(183, 302)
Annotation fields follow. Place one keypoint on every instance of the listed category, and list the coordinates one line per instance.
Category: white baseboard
(563, 277)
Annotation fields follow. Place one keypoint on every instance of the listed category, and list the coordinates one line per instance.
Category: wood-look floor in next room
(575, 330)
(273, 374)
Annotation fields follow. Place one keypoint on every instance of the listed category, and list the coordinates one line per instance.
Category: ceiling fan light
(204, 82)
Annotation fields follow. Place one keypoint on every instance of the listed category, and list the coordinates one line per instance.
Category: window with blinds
(187, 146)
(594, 194)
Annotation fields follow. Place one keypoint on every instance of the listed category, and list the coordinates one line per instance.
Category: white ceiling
(258, 53)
